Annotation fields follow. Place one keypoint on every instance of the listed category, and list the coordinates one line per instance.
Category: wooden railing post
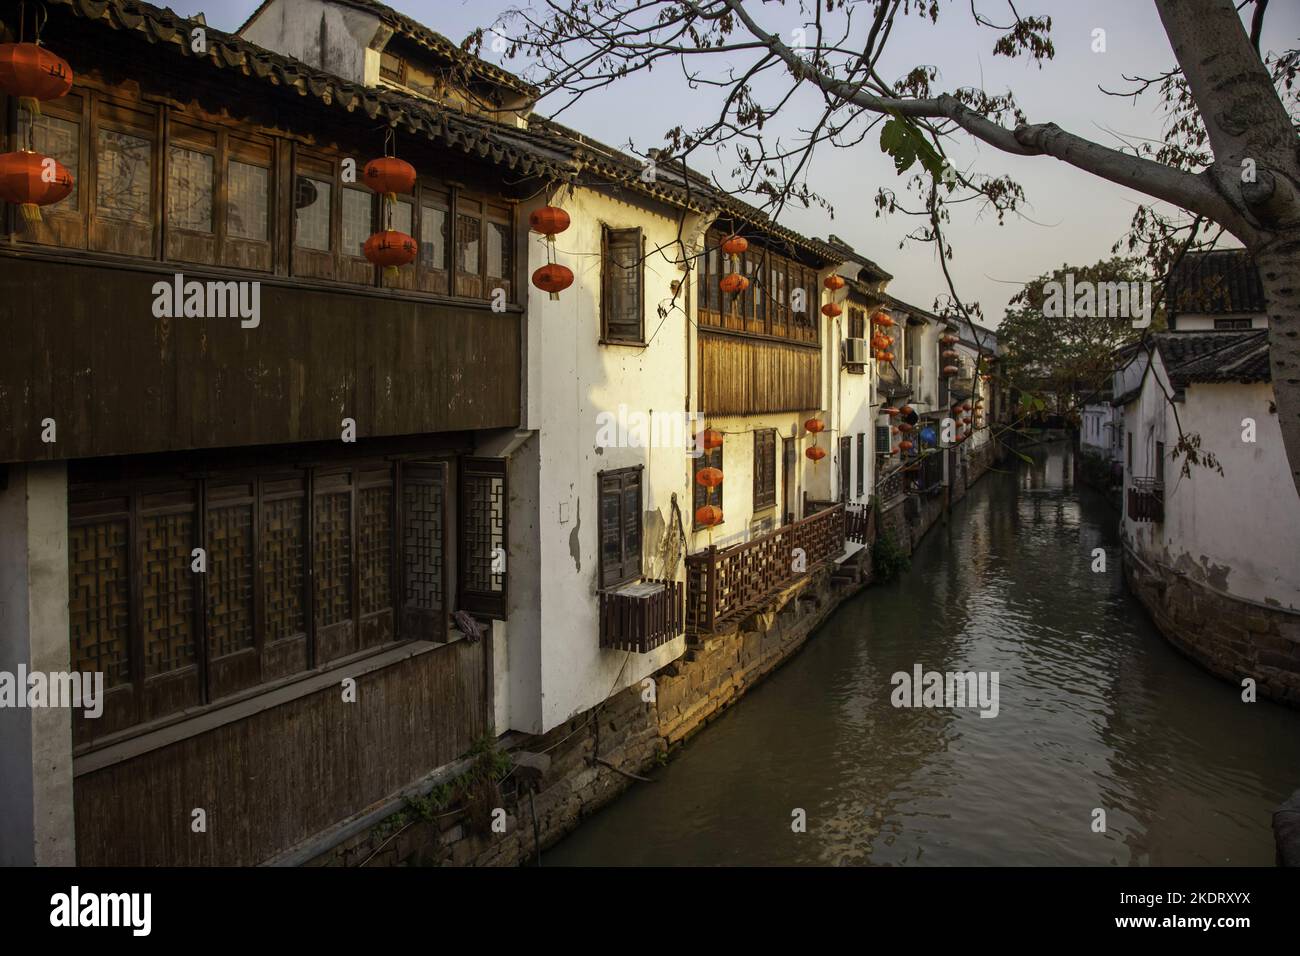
(712, 587)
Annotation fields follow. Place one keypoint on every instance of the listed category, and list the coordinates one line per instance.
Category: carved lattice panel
(483, 521)
(98, 609)
(167, 591)
(375, 548)
(283, 552)
(230, 579)
(333, 557)
(423, 537)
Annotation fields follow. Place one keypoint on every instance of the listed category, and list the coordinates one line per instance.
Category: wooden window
(882, 446)
(392, 67)
(469, 248)
(1160, 461)
(484, 523)
(620, 526)
(313, 200)
(60, 138)
(303, 566)
(622, 286)
(248, 227)
(58, 132)
(499, 247)
(124, 181)
(191, 193)
(764, 468)
(1222, 324)
(711, 266)
(857, 323)
(1130, 453)
(846, 467)
(359, 222)
(704, 496)
(435, 225)
(862, 463)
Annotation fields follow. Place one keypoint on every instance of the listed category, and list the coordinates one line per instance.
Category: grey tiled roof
(1218, 281)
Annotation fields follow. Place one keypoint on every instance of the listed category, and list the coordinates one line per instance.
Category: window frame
(765, 473)
(607, 335)
(633, 475)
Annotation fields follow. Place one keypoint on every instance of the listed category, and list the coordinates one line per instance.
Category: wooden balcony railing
(640, 617)
(1146, 500)
(859, 526)
(725, 584)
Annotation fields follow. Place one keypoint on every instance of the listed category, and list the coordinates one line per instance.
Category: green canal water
(1095, 711)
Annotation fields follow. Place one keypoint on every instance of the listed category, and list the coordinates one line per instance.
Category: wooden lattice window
(704, 496)
(862, 463)
(622, 315)
(302, 566)
(846, 466)
(483, 528)
(764, 468)
(619, 516)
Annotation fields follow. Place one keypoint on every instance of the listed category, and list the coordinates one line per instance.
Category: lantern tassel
(31, 104)
(31, 214)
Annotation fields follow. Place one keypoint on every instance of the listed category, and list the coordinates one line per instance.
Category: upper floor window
(622, 286)
(392, 67)
(764, 468)
(1222, 324)
(620, 526)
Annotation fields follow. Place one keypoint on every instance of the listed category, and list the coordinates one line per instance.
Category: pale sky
(1070, 216)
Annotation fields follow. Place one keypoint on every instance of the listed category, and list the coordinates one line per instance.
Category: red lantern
(735, 245)
(389, 176)
(30, 180)
(950, 370)
(712, 439)
(894, 430)
(550, 221)
(32, 73)
(708, 515)
(814, 425)
(905, 428)
(709, 477)
(553, 278)
(908, 409)
(881, 318)
(894, 450)
(888, 357)
(965, 406)
(948, 339)
(905, 445)
(948, 355)
(733, 284)
(815, 453)
(390, 249)
(831, 310)
(834, 282)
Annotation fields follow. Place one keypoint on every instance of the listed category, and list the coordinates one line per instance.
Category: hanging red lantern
(948, 339)
(550, 221)
(904, 427)
(905, 445)
(814, 425)
(888, 356)
(893, 429)
(712, 439)
(947, 355)
(834, 282)
(965, 406)
(389, 176)
(390, 249)
(708, 515)
(733, 284)
(553, 278)
(709, 477)
(950, 370)
(831, 310)
(735, 245)
(894, 450)
(32, 73)
(30, 180)
(880, 318)
(815, 453)
(908, 409)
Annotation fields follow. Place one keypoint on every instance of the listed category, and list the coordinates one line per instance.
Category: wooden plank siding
(273, 779)
(82, 347)
(742, 376)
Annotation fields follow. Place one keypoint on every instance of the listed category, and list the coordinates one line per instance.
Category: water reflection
(1096, 711)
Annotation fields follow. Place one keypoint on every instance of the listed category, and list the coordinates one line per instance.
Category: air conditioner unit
(857, 351)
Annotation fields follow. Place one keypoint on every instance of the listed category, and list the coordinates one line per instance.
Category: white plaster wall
(334, 38)
(1242, 528)
(571, 379)
(1204, 322)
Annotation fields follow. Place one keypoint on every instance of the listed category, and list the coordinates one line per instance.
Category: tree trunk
(1257, 168)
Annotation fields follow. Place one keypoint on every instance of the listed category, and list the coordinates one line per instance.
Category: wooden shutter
(862, 462)
(480, 565)
(622, 285)
(423, 551)
(846, 465)
(764, 468)
(620, 526)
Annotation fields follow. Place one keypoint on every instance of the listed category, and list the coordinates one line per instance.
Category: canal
(1095, 711)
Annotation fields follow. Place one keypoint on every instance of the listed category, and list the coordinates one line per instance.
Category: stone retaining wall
(1233, 639)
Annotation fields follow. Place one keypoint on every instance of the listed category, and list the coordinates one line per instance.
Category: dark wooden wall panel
(81, 345)
(269, 781)
(740, 376)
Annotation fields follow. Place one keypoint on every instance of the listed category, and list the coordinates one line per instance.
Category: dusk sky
(1070, 217)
